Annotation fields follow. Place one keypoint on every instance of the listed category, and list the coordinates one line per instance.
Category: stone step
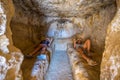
(59, 68)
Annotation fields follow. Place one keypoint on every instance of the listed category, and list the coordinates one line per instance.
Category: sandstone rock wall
(93, 26)
(63, 8)
(110, 66)
(10, 57)
(29, 26)
(79, 71)
(32, 19)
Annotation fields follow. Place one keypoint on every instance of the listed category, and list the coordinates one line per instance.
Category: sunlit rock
(110, 65)
(13, 63)
(39, 70)
(63, 29)
(3, 67)
(3, 19)
(4, 42)
(92, 25)
(34, 18)
(79, 71)
(9, 63)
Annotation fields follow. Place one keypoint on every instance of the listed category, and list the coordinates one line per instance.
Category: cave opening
(31, 23)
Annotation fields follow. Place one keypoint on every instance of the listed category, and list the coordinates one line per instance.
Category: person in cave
(44, 43)
(42, 54)
(83, 47)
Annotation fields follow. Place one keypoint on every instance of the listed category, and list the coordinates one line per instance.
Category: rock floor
(60, 68)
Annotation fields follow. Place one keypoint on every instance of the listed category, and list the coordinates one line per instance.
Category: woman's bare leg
(87, 45)
(90, 62)
(83, 55)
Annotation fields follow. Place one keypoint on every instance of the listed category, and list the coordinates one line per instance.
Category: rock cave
(25, 23)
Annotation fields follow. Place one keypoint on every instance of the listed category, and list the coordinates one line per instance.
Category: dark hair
(79, 40)
(45, 42)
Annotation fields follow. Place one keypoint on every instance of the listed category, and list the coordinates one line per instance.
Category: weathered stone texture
(10, 57)
(110, 65)
(63, 8)
(79, 71)
(29, 28)
(33, 17)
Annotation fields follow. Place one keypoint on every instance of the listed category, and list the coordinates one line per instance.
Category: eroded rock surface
(10, 57)
(28, 25)
(33, 18)
(79, 71)
(110, 65)
(39, 69)
(63, 7)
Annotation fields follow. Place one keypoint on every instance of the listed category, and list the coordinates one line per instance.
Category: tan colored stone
(110, 62)
(13, 55)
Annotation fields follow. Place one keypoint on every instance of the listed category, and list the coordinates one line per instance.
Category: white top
(42, 57)
(79, 45)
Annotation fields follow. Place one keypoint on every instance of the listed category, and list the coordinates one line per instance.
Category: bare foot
(92, 63)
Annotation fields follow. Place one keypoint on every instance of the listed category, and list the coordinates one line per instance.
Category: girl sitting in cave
(44, 43)
(84, 48)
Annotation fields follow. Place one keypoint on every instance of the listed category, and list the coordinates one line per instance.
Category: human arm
(50, 41)
(36, 50)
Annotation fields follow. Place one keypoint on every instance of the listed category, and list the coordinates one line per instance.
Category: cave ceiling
(63, 8)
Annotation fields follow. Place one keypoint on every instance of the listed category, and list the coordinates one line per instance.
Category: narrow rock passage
(59, 68)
